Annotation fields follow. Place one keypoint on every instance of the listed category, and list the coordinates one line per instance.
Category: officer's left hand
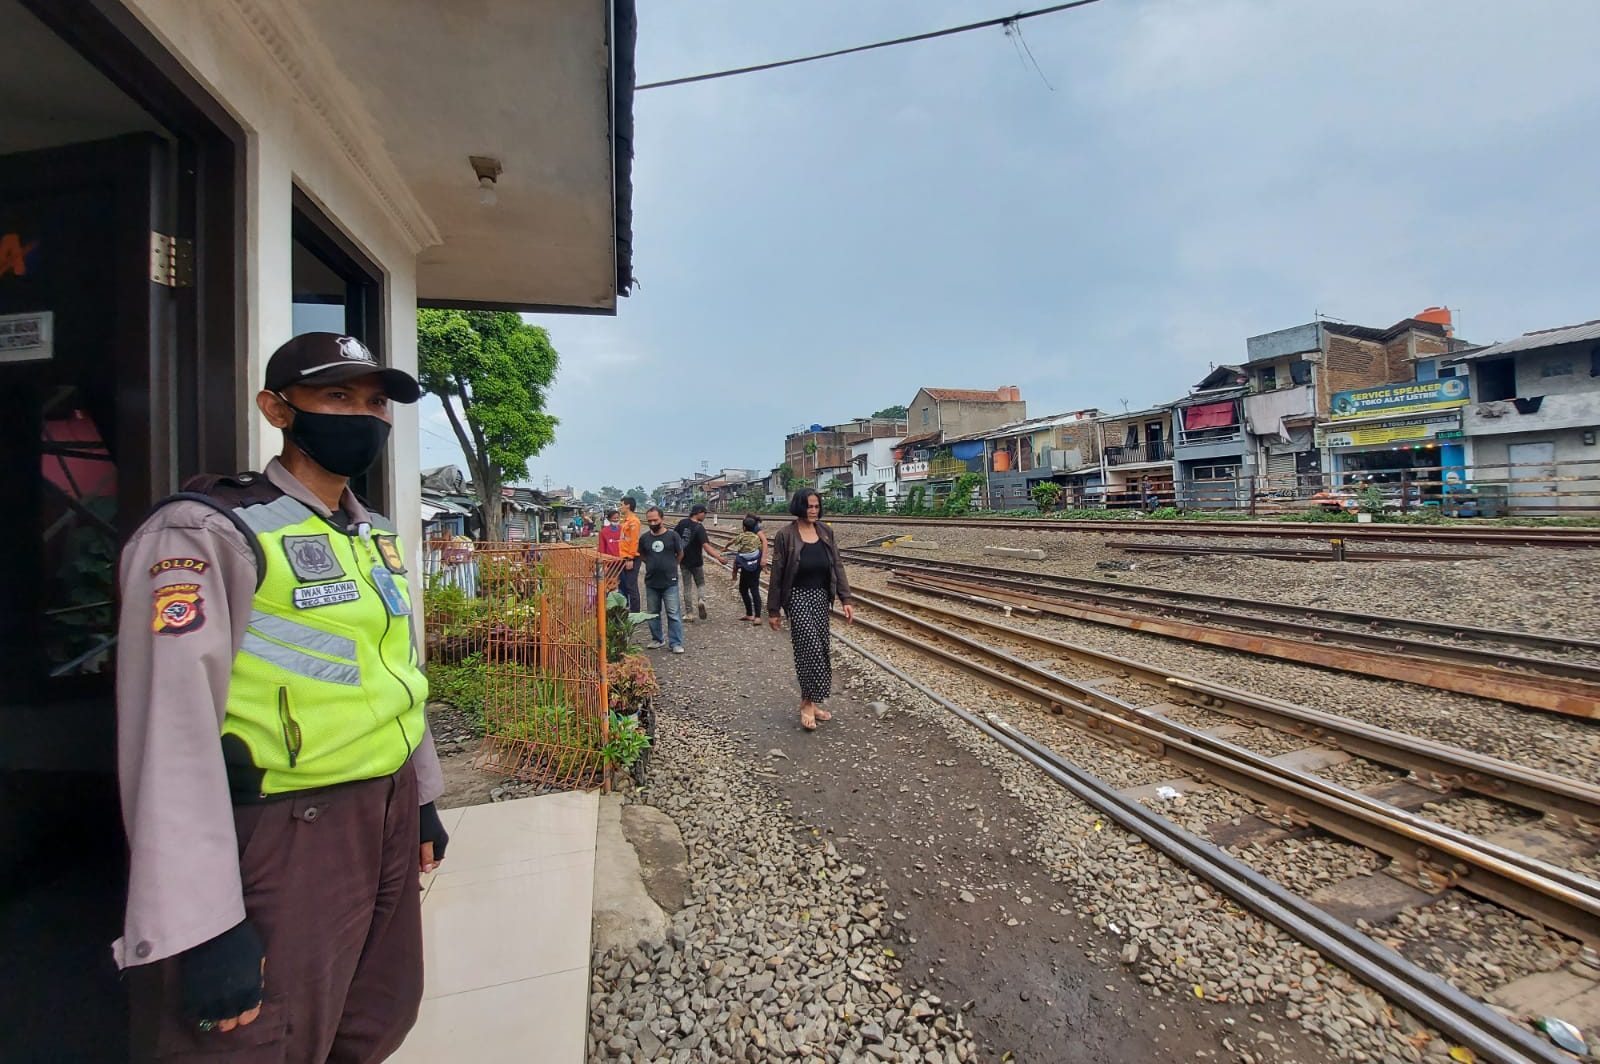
(430, 852)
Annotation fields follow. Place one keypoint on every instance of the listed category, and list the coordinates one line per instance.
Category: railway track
(1567, 687)
(1448, 630)
(1431, 856)
(1432, 1000)
(1573, 804)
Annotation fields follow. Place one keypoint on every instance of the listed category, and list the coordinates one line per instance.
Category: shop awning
(1208, 416)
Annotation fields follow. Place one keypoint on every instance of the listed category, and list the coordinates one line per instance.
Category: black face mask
(346, 444)
(655, 526)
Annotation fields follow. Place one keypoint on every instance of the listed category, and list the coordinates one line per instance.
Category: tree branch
(474, 466)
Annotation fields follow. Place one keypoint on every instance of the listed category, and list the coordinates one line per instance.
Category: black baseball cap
(327, 358)
(696, 510)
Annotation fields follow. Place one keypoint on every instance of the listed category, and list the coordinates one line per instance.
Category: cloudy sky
(815, 243)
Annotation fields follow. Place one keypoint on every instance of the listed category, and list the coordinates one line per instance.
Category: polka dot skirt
(808, 630)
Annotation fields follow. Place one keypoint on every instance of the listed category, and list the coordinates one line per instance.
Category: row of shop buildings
(1311, 414)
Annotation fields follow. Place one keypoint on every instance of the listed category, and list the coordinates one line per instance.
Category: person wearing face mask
(611, 535)
(276, 768)
(662, 552)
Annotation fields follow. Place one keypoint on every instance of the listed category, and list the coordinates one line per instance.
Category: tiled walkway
(505, 925)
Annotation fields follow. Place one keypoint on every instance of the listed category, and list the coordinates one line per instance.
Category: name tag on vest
(306, 598)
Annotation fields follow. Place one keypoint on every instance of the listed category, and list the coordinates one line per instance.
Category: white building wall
(880, 466)
(253, 74)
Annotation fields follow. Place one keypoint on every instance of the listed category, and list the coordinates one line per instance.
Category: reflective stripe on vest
(325, 688)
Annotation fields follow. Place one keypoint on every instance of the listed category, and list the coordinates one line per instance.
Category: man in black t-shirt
(661, 550)
(696, 545)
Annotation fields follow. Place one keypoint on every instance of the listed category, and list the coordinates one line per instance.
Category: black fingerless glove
(433, 830)
(222, 978)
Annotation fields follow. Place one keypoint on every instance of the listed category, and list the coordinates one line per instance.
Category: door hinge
(171, 260)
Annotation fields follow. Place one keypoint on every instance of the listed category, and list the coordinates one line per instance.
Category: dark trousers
(628, 584)
(331, 883)
(750, 592)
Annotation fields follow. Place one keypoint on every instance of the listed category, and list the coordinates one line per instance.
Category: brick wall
(1349, 364)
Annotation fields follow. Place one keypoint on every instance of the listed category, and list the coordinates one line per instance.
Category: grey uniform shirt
(172, 691)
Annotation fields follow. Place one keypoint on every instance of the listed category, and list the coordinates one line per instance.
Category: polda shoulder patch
(187, 565)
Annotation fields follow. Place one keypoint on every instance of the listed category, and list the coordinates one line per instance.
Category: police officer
(277, 771)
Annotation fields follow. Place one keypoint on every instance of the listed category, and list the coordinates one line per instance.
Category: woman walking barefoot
(807, 575)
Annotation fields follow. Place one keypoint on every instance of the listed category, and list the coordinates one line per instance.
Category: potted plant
(632, 689)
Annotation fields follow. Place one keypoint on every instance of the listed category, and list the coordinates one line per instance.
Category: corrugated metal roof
(1566, 334)
(1164, 408)
(1032, 424)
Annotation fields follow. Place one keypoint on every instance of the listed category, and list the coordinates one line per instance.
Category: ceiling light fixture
(488, 171)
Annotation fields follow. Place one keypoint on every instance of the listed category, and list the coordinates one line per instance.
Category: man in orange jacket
(629, 544)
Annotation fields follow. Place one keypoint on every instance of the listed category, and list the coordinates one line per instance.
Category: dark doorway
(337, 288)
(75, 414)
(117, 377)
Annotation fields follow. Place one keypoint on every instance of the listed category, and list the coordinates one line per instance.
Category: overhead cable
(1006, 20)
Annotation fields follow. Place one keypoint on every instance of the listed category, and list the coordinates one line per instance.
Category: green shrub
(460, 685)
(627, 742)
(959, 502)
(1046, 494)
(1320, 517)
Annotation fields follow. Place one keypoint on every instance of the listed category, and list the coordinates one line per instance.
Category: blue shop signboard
(1443, 394)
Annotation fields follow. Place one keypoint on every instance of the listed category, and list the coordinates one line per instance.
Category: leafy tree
(897, 412)
(609, 494)
(640, 496)
(788, 477)
(837, 488)
(491, 371)
(589, 498)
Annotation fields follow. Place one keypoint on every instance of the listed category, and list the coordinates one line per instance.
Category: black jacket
(786, 546)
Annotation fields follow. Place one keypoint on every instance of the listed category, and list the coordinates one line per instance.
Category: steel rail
(1368, 621)
(1206, 550)
(1556, 695)
(1504, 536)
(1426, 996)
(1436, 857)
(1488, 536)
(1572, 803)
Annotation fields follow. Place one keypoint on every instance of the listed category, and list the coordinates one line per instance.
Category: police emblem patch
(389, 551)
(178, 609)
(311, 557)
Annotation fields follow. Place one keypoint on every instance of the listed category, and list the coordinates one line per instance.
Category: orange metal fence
(530, 619)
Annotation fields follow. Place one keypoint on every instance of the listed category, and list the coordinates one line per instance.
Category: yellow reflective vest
(325, 688)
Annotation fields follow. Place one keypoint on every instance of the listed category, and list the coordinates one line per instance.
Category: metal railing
(1483, 490)
(1153, 451)
(1557, 488)
(525, 625)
